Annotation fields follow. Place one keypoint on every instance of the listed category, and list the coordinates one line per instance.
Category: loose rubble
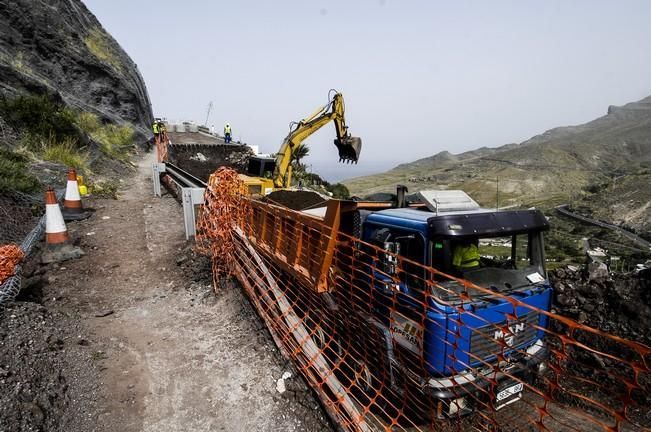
(616, 303)
(203, 160)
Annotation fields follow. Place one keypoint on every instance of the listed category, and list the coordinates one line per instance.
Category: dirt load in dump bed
(295, 199)
(201, 160)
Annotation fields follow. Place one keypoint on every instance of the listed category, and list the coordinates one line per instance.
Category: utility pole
(208, 114)
(497, 193)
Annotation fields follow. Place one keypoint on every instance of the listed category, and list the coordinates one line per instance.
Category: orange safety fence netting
(10, 256)
(390, 344)
(225, 202)
(161, 140)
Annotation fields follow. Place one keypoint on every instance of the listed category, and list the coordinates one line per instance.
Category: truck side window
(441, 257)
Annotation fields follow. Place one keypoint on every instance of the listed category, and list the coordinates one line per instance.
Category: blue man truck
(388, 293)
(465, 347)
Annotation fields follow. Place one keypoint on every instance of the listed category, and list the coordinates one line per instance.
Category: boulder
(598, 271)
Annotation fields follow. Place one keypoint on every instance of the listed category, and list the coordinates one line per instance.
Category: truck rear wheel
(324, 335)
(364, 379)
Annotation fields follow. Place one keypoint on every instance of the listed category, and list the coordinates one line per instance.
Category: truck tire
(324, 334)
(365, 365)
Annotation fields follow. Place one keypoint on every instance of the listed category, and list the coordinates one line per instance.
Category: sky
(418, 76)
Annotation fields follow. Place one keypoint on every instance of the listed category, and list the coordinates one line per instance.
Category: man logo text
(509, 338)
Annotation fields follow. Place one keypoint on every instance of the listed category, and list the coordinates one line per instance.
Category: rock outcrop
(618, 304)
(58, 47)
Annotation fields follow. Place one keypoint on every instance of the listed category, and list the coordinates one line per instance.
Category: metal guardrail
(192, 192)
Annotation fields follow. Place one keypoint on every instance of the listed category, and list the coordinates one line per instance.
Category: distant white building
(597, 253)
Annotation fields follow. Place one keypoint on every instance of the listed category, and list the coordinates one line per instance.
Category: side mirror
(391, 257)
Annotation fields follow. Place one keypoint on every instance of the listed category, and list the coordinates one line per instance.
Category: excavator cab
(349, 148)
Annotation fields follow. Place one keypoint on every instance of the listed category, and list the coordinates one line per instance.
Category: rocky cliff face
(59, 47)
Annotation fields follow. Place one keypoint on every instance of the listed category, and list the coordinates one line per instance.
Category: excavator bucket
(349, 149)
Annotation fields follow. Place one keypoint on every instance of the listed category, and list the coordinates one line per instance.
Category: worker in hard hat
(156, 128)
(466, 255)
(227, 133)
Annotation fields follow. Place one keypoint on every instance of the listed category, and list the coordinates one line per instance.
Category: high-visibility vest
(466, 256)
(155, 128)
(227, 129)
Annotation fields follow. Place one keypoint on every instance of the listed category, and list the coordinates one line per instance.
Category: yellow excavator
(280, 167)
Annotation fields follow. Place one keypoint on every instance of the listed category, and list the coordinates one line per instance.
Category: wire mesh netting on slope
(23, 225)
(402, 348)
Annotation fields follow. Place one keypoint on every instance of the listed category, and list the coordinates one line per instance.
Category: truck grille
(485, 341)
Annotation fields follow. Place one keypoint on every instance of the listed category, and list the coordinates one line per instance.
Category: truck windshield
(502, 264)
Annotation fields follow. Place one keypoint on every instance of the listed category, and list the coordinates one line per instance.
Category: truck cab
(461, 332)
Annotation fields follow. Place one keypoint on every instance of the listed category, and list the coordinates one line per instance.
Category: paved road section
(563, 209)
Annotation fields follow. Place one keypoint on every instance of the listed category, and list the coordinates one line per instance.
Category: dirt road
(172, 356)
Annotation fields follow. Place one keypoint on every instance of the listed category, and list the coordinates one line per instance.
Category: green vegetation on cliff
(100, 46)
(14, 175)
(115, 141)
(39, 117)
(51, 131)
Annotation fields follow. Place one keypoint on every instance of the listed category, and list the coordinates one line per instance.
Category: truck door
(399, 282)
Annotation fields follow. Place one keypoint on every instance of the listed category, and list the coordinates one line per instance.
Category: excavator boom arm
(349, 147)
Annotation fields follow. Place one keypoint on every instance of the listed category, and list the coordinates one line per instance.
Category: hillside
(549, 168)
(59, 48)
(69, 97)
(624, 200)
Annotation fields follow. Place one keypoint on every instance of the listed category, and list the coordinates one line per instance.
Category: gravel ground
(48, 378)
(298, 401)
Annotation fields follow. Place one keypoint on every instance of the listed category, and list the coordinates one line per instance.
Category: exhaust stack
(401, 196)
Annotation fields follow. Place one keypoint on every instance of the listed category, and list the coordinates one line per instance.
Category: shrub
(88, 122)
(115, 140)
(39, 117)
(105, 189)
(14, 174)
(66, 153)
(99, 44)
(338, 190)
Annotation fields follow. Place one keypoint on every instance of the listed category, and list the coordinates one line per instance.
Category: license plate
(506, 396)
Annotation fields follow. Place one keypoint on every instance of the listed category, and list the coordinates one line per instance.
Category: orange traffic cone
(72, 207)
(57, 242)
(56, 231)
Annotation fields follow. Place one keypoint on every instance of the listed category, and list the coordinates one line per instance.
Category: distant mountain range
(550, 168)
